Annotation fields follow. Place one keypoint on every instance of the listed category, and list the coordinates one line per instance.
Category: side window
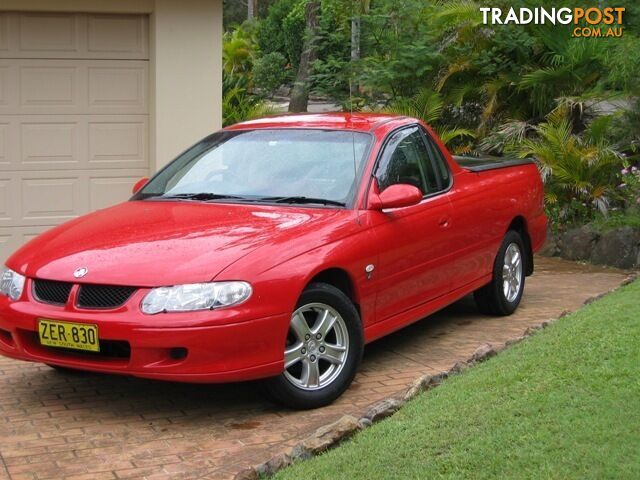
(442, 169)
(406, 160)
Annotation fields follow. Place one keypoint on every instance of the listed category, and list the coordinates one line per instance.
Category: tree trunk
(252, 7)
(300, 91)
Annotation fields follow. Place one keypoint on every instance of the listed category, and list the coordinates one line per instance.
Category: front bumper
(217, 348)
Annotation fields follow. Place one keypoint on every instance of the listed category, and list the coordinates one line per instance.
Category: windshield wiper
(199, 196)
(203, 197)
(302, 200)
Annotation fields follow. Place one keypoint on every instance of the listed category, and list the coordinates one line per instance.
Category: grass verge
(563, 404)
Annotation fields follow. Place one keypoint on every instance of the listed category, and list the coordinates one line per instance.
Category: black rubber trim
(484, 164)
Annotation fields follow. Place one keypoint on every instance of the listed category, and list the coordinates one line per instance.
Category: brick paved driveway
(55, 425)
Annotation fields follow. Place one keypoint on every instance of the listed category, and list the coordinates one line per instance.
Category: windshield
(279, 165)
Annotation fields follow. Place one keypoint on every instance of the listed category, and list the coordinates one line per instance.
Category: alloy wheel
(512, 272)
(317, 346)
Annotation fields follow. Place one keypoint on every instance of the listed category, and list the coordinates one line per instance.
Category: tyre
(503, 294)
(323, 349)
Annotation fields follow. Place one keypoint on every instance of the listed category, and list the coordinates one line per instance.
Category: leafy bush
(238, 50)
(579, 170)
(629, 188)
(489, 88)
(427, 105)
(282, 30)
(238, 104)
(270, 72)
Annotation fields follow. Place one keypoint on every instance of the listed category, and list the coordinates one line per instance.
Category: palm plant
(427, 105)
(239, 49)
(465, 14)
(566, 69)
(517, 73)
(574, 167)
(239, 104)
(510, 133)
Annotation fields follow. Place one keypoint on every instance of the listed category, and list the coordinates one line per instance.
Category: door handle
(443, 222)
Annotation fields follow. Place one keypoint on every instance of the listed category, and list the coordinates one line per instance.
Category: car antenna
(353, 133)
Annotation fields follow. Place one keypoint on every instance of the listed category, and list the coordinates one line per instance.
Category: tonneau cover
(480, 164)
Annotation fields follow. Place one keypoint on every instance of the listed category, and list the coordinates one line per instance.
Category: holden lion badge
(80, 272)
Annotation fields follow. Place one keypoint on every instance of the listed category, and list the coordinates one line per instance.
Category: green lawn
(563, 404)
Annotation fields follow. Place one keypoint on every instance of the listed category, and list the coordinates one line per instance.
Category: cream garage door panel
(11, 238)
(107, 190)
(118, 144)
(37, 86)
(8, 207)
(4, 34)
(47, 200)
(51, 197)
(74, 123)
(73, 35)
(67, 142)
(7, 152)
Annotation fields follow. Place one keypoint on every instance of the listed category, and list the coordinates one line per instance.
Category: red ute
(276, 249)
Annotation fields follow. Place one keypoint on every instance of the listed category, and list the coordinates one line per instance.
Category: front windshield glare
(265, 165)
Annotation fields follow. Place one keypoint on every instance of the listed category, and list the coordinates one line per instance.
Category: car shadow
(439, 324)
(123, 395)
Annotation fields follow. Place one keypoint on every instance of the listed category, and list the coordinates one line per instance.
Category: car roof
(358, 121)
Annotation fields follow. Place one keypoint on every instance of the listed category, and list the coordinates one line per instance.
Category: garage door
(73, 117)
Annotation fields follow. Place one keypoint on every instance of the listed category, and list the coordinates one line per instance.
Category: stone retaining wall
(616, 248)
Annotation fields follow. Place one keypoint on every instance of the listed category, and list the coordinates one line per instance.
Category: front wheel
(322, 351)
(503, 294)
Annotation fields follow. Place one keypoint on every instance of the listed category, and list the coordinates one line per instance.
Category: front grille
(103, 296)
(89, 296)
(49, 291)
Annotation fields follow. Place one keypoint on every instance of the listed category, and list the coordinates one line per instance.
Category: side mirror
(396, 196)
(139, 184)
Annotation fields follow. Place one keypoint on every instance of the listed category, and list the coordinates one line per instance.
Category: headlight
(11, 283)
(195, 296)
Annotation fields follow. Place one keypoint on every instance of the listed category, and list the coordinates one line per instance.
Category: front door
(413, 240)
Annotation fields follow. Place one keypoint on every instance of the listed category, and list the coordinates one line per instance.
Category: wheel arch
(340, 279)
(519, 224)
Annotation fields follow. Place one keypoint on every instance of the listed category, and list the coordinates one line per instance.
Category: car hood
(153, 243)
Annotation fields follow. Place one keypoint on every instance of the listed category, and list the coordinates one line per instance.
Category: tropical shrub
(629, 188)
(526, 90)
(579, 170)
(270, 72)
(282, 30)
(427, 105)
(239, 104)
(239, 49)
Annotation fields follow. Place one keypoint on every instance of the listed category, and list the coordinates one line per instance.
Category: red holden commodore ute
(276, 249)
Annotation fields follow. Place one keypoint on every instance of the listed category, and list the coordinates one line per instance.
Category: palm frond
(572, 166)
(461, 65)
(448, 135)
(426, 105)
(459, 11)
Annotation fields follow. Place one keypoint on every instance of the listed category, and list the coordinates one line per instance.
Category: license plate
(77, 336)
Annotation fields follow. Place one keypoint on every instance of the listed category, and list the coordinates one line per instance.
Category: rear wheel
(323, 349)
(503, 294)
